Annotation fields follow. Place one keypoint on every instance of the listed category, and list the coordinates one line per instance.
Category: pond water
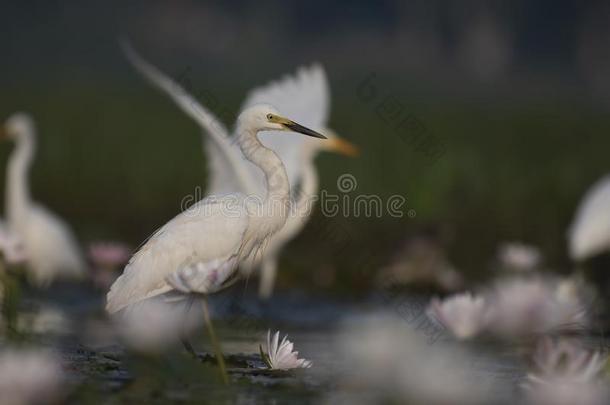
(100, 369)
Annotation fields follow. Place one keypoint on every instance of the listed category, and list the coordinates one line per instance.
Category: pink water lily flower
(521, 307)
(464, 315)
(280, 356)
(109, 255)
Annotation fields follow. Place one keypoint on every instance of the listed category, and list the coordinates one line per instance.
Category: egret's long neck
(17, 191)
(307, 190)
(278, 187)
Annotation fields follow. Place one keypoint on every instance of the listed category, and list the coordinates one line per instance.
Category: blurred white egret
(49, 245)
(199, 250)
(303, 97)
(589, 234)
(298, 158)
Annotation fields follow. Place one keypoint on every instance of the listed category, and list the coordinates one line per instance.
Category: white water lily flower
(566, 373)
(521, 307)
(518, 256)
(381, 359)
(280, 356)
(464, 315)
(565, 359)
(30, 377)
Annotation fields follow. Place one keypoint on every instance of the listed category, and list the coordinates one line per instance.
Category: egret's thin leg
(183, 335)
(217, 350)
(268, 274)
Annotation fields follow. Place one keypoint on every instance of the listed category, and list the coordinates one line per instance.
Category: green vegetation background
(116, 158)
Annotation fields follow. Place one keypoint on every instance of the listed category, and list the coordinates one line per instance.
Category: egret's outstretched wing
(224, 177)
(305, 97)
(229, 170)
(589, 234)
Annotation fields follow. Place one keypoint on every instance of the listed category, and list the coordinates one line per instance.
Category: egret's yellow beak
(343, 147)
(293, 126)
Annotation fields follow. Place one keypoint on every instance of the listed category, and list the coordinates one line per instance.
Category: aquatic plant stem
(215, 344)
(10, 295)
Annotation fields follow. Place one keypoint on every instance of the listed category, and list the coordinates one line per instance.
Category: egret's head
(336, 144)
(264, 117)
(17, 124)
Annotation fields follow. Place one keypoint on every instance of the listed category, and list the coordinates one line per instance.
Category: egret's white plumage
(304, 97)
(11, 246)
(589, 234)
(50, 247)
(216, 230)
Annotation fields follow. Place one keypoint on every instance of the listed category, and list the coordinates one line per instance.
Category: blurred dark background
(518, 92)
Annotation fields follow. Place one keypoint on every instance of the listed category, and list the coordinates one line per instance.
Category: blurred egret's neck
(278, 187)
(17, 190)
(308, 190)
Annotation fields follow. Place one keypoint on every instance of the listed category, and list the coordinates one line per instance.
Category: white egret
(216, 232)
(199, 250)
(304, 97)
(589, 234)
(49, 245)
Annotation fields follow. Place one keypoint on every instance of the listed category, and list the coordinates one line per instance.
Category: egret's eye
(270, 117)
